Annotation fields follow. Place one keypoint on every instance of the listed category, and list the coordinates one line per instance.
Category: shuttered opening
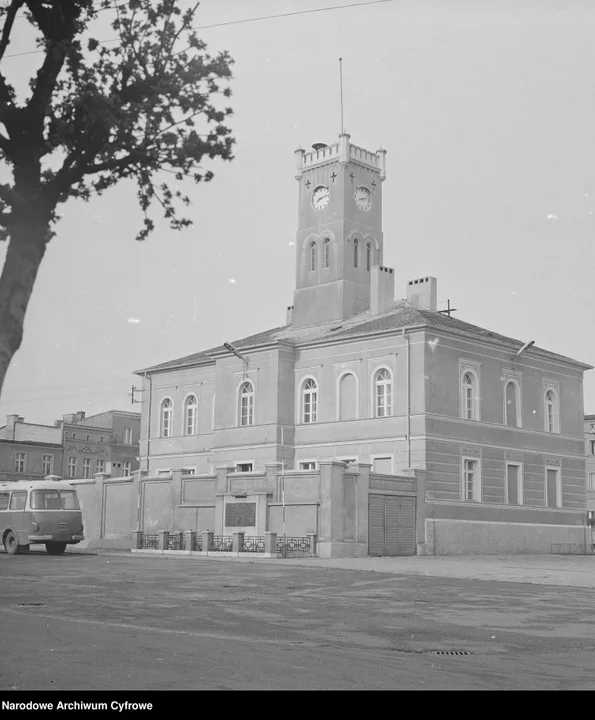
(391, 528)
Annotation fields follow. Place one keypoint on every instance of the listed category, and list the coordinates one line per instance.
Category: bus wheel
(11, 543)
(55, 548)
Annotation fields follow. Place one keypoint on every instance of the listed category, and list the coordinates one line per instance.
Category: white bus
(39, 512)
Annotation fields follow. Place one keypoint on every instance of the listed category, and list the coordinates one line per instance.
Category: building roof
(401, 314)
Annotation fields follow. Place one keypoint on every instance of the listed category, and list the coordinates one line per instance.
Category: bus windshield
(54, 500)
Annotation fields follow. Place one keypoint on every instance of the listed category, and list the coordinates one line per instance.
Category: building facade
(590, 463)
(374, 416)
(104, 443)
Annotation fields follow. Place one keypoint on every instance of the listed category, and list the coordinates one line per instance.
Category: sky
(487, 112)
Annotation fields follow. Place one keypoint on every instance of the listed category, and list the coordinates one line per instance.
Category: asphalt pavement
(128, 622)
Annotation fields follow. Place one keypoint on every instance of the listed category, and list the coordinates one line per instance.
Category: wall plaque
(240, 515)
(552, 461)
(474, 452)
(513, 456)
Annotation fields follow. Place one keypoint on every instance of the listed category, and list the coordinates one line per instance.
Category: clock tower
(339, 237)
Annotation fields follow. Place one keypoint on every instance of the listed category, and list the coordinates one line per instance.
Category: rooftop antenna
(341, 85)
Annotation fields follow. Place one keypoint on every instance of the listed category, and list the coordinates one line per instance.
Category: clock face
(363, 198)
(320, 197)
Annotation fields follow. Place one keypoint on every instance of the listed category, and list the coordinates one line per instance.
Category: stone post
(163, 539)
(270, 543)
(176, 498)
(312, 537)
(190, 536)
(207, 540)
(273, 485)
(331, 506)
(238, 542)
(137, 539)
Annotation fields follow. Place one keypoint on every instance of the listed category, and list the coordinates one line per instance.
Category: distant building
(74, 447)
(29, 451)
(590, 451)
(104, 443)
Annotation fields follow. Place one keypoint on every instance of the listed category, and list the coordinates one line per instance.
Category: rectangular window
(20, 462)
(309, 465)
(244, 467)
(514, 490)
(552, 489)
(591, 485)
(382, 465)
(4, 498)
(100, 466)
(88, 438)
(71, 467)
(471, 480)
(126, 468)
(86, 467)
(188, 471)
(592, 447)
(18, 501)
(47, 464)
(128, 436)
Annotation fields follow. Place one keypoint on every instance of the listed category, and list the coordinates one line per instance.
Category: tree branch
(6, 30)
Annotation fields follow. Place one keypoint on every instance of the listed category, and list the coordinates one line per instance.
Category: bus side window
(18, 501)
(4, 500)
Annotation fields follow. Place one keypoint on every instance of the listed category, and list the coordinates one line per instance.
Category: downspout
(408, 396)
(148, 377)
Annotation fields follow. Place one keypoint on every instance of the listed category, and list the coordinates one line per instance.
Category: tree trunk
(23, 258)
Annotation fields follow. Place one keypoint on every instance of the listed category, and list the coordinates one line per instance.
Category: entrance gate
(391, 525)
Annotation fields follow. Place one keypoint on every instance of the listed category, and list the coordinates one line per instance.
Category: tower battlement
(342, 152)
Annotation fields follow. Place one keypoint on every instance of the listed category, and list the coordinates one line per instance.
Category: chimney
(423, 293)
(11, 421)
(289, 315)
(69, 418)
(58, 423)
(382, 289)
(80, 415)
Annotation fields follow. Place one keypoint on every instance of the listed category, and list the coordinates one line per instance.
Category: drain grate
(31, 604)
(450, 652)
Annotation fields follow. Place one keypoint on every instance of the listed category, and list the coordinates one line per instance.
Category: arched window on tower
(312, 257)
(167, 408)
(551, 411)
(369, 256)
(190, 415)
(355, 252)
(327, 252)
(246, 404)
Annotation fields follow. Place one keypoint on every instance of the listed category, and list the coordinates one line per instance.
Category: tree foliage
(149, 107)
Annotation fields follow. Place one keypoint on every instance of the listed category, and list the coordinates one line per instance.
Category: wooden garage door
(391, 528)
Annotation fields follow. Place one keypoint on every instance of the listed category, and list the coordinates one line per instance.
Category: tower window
(384, 391)
(368, 256)
(327, 252)
(312, 256)
(355, 252)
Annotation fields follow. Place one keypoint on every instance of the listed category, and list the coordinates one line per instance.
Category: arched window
(309, 401)
(551, 411)
(190, 415)
(512, 410)
(312, 256)
(348, 397)
(355, 252)
(167, 408)
(247, 404)
(383, 393)
(327, 252)
(469, 393)
(368, 256)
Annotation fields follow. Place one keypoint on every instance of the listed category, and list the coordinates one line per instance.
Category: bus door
(18, 500)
